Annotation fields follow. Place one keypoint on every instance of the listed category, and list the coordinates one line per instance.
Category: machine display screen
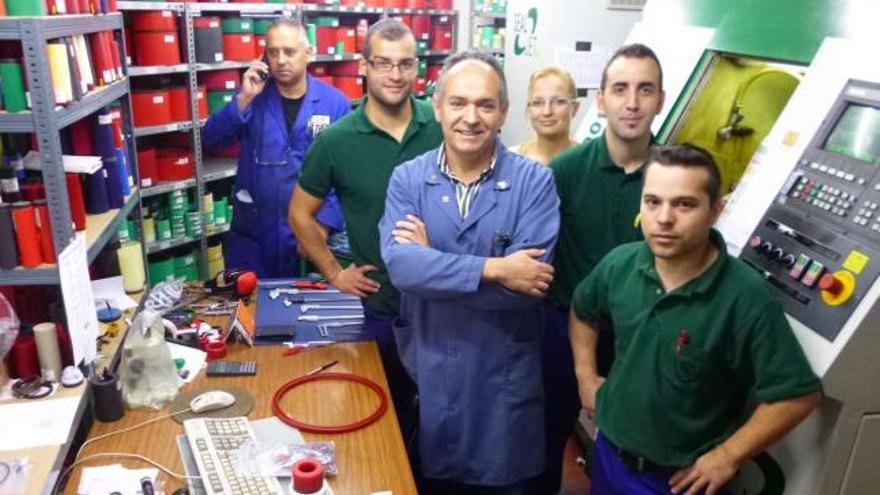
(857, 133)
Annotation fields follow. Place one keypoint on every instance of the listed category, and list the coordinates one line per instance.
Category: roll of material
(239, 47)
(23, 359)
(308, 476)
(221, 80)
(106, 264)
(96, 192)
(421, 27)
(220, 212)
(147, 171)
(179, 100)
(118, 137)
(185, 267)
(115, 198)
(81, 137)
(124, 171)
(261, 26)
(202, 101)
(10, 190)
(352, 87)
(8, 245)
(44, 225)
(156, 20)
(163, 229)
(346, 40)
(157, 48)
(237, 25)
(216, 100)
(325, 40)
(59, 68)
(149, 226)
(25, 8)
(107, 396)
(350, 68)
(102, 134)
(12, 86)
(131, 264)
(33, 191)
(151, 107)
(48, 351)
(209, 40)
(161, 270)
(441, 37)
(175, 163)
(26, 234)
(75, 198)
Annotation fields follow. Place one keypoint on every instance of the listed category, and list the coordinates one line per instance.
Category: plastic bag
(149, 377)
(9, 325)
(278, 460)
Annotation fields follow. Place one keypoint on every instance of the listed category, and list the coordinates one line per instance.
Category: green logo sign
(524, 26)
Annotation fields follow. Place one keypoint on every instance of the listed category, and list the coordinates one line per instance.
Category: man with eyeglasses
(599, 184)
(276, 115)
(467, 236)
(355, 158)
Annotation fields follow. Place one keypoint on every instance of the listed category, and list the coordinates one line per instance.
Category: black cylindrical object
(96, 192)
(8, 246)
(114, 183)
(107, 395)
(209, 41)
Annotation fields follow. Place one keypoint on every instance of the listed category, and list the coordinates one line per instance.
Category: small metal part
(330, 317)
(305, 308)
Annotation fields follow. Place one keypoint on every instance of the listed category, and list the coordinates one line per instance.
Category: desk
(369, 460)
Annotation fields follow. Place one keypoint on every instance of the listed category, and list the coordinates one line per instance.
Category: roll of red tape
(239, 47)
(76, 200)
(23, 358)
(26, 233)
(157, 48)
(151, 107)
(221, 80)
(157, 20)
(215, 350)
(179, 96)
(147, 169)
(308, 476)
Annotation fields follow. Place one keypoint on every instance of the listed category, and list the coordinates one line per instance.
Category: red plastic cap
(246, 284)
(308, 476)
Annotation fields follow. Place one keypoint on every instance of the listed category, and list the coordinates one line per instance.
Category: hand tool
(329, 317)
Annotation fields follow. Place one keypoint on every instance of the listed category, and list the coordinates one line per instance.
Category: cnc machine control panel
(819, 242)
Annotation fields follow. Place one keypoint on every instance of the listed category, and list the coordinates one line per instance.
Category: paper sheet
(112, 291)
(37, 423)
(114, 478)
(194, 359)
(72, 163)
(79, 305)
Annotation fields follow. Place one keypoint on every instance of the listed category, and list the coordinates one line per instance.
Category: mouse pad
(244, 404)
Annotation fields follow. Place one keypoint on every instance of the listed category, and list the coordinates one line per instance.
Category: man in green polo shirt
(356, 157)
(698, 336)
(599, 183)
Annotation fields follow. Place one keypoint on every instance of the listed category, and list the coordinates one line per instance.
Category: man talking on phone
(275, 116)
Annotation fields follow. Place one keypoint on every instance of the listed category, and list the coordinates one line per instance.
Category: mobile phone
(265, 59)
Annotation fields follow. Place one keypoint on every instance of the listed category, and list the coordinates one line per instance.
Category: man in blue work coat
(276, 116)
(467, 236)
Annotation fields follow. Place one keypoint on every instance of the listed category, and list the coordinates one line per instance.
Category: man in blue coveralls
(467, 236)
(276, 116)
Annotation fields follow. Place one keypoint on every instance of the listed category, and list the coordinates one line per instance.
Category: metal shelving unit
(46, 121)
(481, 17)
(209, 169)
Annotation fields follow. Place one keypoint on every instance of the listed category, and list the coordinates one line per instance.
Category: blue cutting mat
(275, 318)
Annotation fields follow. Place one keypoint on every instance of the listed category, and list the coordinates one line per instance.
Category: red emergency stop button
(837, 287)
(831, 284)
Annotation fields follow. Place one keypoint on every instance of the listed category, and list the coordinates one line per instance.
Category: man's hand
(353, 280)
(587, 390)
(521, 272)
(252, 83)
(411, 231)
(711, 471)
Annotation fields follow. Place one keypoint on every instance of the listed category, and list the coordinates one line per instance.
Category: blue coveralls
(474, 349)
(269, 164)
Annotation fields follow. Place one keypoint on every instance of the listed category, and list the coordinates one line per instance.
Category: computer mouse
(211, 400)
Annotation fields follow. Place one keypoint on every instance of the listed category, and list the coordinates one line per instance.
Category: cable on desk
(116, 432)
(372, 418)
(31, 387)
(164, 469)
(6, 474)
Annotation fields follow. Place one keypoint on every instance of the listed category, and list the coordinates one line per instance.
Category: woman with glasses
(551, 105)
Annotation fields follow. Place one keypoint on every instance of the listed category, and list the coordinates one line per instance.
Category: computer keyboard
(214, 443)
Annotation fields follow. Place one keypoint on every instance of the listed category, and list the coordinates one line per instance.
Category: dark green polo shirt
(357, 158)
(599, 203)
(672, 405)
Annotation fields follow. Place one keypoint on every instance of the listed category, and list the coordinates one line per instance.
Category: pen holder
(107, 396)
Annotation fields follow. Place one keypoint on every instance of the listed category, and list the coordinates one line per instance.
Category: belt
(641, 464)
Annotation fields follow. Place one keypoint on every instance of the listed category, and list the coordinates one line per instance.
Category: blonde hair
(559, 72)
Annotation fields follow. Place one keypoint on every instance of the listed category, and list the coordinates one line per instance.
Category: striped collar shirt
(465, 194)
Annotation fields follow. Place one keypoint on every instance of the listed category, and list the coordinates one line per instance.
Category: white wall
(560, 23)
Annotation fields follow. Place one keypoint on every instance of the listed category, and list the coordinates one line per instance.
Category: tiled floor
(574, 479)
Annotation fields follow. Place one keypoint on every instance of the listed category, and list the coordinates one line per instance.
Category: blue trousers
(610, 476)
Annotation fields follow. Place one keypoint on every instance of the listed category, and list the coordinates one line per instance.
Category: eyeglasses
(385, 65)
(555, 103)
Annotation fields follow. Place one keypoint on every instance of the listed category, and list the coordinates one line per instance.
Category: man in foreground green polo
(599, 183)
(355, 158)
(698, 335)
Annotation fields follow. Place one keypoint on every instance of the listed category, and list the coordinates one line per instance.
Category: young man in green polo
(356, 158)
(698, 335)
(599, 183)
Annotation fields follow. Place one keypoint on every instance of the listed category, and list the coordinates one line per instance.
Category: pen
(682, 340)
(321, 368)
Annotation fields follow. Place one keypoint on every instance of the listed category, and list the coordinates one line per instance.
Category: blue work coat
(473, 348)
(269, 164)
